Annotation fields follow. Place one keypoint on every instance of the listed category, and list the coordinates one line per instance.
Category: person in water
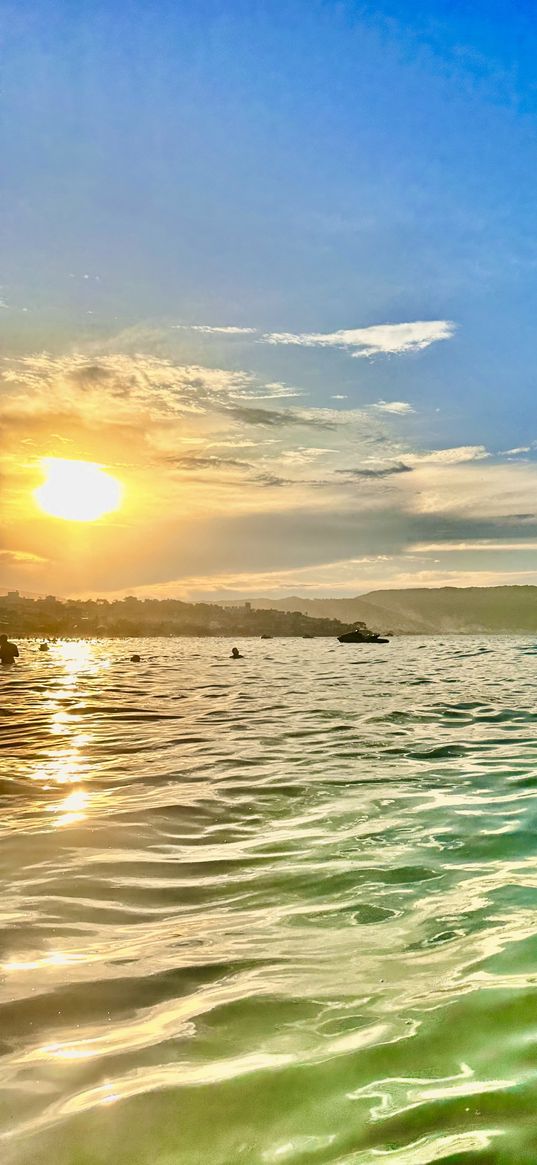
(135, 659)
(8, 651)
(235, 654)
(43, 646)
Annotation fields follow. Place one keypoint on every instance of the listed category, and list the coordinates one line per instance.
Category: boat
(361, 636)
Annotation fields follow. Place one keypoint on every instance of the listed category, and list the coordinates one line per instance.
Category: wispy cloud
(220, 480)
(452, 456)
(21, 558)
(380, 339)
(212, 330)
(481, 544)
(399, 407)
(194, 463)
(281, 417)
(119, 383)
(275, 390)
(382, 471)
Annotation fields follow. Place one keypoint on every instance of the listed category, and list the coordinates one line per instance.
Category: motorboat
(361, 636)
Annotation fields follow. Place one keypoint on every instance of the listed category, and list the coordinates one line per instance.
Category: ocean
(273, 911)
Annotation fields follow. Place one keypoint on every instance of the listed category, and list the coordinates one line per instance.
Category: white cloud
(380, 339)
(113, 386)
(400, 407)
(194, 449)
(209, 330)
(274, 390)
(450, 456)
(490, 544)
(476, 490)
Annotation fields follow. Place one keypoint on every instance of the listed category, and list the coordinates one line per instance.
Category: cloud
(380, 339)
(280, 418)
(219, 481)
(271, 479)
(476, 489)
(399, 407)
(114, 385)
(452, 456)
(385, 471)
(195, 463)
(209, 330)
(21, 558)
(304, 454)
(119, 384)
(275, 390)
(482, 544)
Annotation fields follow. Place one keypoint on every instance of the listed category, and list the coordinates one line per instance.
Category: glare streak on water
(275, 911)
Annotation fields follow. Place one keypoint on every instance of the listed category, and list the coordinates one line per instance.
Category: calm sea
(277, 911)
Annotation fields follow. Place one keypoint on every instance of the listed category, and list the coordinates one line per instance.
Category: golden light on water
(77, 491)
(72, 809)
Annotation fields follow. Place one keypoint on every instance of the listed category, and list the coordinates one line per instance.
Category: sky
(274, 267)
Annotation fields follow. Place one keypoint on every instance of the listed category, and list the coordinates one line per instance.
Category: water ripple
(299, 897)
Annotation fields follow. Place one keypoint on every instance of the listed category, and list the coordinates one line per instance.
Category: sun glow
(77, 491)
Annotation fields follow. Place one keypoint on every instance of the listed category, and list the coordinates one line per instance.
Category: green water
(277, 911)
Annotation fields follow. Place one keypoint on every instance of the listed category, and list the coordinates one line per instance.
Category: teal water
(278, 911)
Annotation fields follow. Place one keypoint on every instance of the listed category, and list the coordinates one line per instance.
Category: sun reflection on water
(74, 654)
(72, 808)
(67, 763)
(50, 960)
(65, 769)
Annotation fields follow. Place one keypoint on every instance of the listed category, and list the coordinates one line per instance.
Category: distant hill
(466, 610)
(132, 617)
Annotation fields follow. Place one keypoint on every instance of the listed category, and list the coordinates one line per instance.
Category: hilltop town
(23, 616)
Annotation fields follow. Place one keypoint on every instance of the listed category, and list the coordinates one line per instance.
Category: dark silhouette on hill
(144, 617)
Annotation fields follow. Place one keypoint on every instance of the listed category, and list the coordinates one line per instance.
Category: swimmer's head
(3, 638)
(235, 653)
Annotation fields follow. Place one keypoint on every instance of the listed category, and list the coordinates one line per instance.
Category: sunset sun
(77, 491)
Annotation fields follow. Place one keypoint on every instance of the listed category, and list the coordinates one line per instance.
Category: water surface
(277, 911)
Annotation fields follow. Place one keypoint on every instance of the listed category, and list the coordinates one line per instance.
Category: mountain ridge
(425, 610)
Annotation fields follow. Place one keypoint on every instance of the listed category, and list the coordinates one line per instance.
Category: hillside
(466, 610)
(20, 616)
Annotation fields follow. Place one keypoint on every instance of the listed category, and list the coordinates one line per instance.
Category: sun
(77, 491)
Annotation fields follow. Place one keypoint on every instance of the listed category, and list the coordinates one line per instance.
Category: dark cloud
(90, 375)
(271, 479)
(454, 528)
(238, 543)
(386, 471)
(276, 418)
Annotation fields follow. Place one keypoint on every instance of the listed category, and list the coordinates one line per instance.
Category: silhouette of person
(43, 646)
(8, 651)
(235, 654)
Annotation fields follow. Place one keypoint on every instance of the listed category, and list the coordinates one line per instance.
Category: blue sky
(299, 169)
